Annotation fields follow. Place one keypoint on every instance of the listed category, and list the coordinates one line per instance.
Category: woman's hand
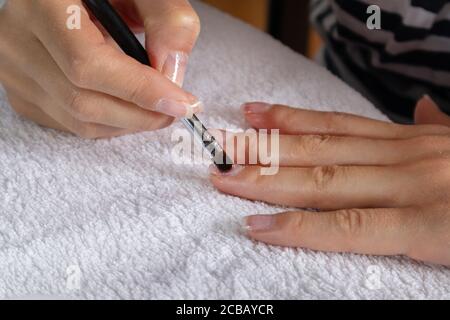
(383, 188)
(78, 80)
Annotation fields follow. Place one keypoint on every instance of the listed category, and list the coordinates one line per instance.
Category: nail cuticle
(259, 223)
(236, 169)
(244, 227)
(255, 108)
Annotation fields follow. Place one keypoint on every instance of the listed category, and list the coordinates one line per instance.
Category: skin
(382, 188)
(79, 81)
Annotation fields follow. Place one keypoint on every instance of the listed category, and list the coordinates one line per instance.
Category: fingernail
(258, 223)
(175, 67)
(255, 107)
(197, 107)
(178, 109)
(235, 170)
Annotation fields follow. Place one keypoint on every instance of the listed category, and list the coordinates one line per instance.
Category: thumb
(428, 112)
(171, 30)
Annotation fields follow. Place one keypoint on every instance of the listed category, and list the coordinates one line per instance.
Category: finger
(326, 187)
(32, 112)
(171, 30)
(21, 90)
(89, 63)
(94, 107)
(15, 80)
(86, 105)
(128, 11)
(24, 95)
(82, 129)
(428, 112)
(364, 231)
(253, 147)
(298, 121)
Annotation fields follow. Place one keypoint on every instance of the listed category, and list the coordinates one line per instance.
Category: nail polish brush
(130, 45)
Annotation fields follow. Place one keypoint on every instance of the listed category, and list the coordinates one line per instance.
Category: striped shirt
(393, 66)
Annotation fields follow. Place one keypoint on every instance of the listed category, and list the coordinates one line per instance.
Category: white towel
(120, 216)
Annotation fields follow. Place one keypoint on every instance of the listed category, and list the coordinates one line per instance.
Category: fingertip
(252, 108)
(177, 109)
(256, 119)
(258, 223)
(427, 111)
(268, 229)
(215, 172)
(230, 182)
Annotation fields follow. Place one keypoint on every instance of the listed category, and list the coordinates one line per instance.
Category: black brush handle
(118, 29)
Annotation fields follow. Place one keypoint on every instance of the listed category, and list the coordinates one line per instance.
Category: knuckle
(81, 66)
(184, 18)
(350, 222)
(137, 87)
(287, 118)
(74, 101)
(80, 107)
(312, 145)
(179, 17)
(333, 119)
(77, 72)
(298, 219)
(324, 176)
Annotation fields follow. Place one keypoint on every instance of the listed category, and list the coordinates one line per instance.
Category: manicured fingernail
(255, 107)
(178, 109)
(195, 108)
(258, 223)
(175, 67)
(235, 170)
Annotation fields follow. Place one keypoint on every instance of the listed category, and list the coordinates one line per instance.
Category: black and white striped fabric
(396, 65)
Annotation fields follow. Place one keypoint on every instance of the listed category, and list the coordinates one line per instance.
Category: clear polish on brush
(222, 162)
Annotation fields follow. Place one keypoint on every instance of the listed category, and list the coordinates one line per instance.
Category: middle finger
(325, 187)
(324, 150)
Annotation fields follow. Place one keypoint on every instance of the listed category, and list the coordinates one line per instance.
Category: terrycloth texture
(140, 226)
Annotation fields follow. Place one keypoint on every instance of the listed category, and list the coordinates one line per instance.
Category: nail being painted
(209, 143)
